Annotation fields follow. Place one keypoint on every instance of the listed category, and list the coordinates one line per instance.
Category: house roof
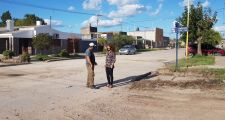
(31, 31)
(17, 34)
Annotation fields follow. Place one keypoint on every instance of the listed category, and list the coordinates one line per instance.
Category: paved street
(44, 91)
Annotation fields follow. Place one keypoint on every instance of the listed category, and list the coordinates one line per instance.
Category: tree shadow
(130, 79)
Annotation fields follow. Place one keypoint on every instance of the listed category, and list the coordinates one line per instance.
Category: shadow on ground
(130, 79)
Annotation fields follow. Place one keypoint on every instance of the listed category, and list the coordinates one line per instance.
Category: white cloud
(122, 2)
(185, 2)
(220, 28)
(92, 4)
(55, 23)
(102, 23)
(127, 10)
(206, 3)
(157, 11)
(71, 8)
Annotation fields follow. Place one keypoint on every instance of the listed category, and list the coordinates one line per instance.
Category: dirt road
(56, 91)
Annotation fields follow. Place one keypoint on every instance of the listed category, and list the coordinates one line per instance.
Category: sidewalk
(219, 62)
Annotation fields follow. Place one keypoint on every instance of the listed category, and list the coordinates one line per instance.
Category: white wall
(23, 34)
(148, 35)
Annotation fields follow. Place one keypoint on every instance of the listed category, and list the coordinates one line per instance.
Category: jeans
(109, 74)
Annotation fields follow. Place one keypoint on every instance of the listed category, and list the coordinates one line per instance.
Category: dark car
(128, 50)
(207, 49)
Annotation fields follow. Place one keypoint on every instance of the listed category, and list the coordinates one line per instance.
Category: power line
(73, 12)
(43, 7)
(148, 20)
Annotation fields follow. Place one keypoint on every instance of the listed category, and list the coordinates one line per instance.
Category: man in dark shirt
(90, 63)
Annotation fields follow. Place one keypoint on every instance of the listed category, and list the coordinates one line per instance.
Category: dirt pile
(184, 79)
(197, 84)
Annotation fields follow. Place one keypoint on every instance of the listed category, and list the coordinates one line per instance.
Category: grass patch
(149, 49)
(55, 57)
(42, 57)
(77, 56)
(192, 61)
(197, 60)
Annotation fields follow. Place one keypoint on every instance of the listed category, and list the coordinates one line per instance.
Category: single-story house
(19, 39)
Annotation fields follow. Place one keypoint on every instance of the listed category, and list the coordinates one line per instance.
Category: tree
(28, 20)
(202, 21)
(19, 22)
(42, 41)
(212, 37)
(120, 40)
(5, 16)
(102, 41)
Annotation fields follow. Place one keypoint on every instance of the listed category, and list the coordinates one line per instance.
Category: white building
(89, 32)
(151, 38)
(20, 38)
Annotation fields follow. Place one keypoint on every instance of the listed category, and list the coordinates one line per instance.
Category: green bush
(42, 57)
(8, 54)
(25, 57)
(64, 53)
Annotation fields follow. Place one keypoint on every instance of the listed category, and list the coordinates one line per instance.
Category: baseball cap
(92, 44)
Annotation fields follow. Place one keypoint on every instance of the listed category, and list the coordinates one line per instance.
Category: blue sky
(119, 15)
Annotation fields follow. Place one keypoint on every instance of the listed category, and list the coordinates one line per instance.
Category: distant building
(109, 35)
(89, 32)
(151, 38)
(166, 41)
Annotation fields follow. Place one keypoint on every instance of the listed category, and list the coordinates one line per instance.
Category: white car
(128, 50)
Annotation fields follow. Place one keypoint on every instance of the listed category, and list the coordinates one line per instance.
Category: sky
(116, 15)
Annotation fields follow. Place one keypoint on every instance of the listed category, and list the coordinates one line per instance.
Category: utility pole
(187, 36)
(97, 22)
(188, 21)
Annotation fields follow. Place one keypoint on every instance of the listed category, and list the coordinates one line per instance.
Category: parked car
(207, 49)
(128, 50)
